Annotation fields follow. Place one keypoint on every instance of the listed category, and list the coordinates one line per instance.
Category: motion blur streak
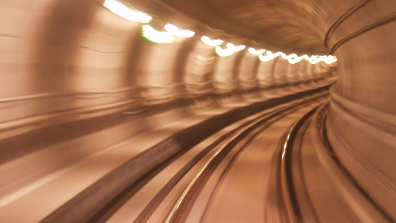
(256, 52)
(155, 36)
(208, 41)
(109, 108)
(174, 30)
(235, 48)
(125, 12)
(224, 52)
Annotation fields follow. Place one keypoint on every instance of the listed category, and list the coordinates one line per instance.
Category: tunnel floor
(237, 173)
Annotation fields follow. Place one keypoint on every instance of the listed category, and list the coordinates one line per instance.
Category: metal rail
(181, 208)
(146, 213)
(293, 212)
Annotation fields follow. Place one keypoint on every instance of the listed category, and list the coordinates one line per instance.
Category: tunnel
(265, 111)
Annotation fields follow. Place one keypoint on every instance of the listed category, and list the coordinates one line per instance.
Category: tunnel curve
(70, 71)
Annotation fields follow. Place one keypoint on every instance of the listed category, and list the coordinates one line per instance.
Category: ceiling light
(255, 52)
(223, 52)
(293, 58)
(314, 59)
(155, 36)
(125, 12)
(177, 32)
(235, 48)
(210, 42)
(330, 59)
(269, 56)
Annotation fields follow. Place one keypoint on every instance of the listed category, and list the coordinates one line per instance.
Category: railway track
(242, 173)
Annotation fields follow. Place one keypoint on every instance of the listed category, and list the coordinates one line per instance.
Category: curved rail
(146, 213)
(287, 188)
(178, 212)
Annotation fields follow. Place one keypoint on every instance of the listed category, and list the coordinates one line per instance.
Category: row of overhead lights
(167, 37)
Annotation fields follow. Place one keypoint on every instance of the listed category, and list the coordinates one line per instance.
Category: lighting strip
(125, 12)
(208, 41)
(155, 36)
(174, 30)
(255, 52)
(235, 48)
(167, 37)
(223, 52)
(269, 56)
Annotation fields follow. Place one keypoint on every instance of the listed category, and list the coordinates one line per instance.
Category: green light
(223, 52)
(155, 36)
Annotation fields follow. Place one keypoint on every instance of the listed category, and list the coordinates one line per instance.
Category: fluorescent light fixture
(255, 52)
(269, 56)
(314, 59)
(125, 12)
(155, 36)
(283, 55)
(293, 58)
(330, 59)
(223, 52)
(178, 32)
(210, 42)
(235, 48)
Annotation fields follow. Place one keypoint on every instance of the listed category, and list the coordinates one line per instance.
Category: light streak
(210, 42)
(155, 36)
(223, 52)
(235, 48)
(255, 52)
(125, 12)
(174, 30)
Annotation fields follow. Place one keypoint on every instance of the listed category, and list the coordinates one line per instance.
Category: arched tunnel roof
(289, 26)
(294, 25)
(92, 100)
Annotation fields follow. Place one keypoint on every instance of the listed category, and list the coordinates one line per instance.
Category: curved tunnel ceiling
(71, 68)
(290, 26)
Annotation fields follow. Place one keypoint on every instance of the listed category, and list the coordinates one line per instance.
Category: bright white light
(127, 13)
(224, 52)
(210, 42)
(269, 56)
(155, 36)
(330, 59)
(177, 32)
(255, 52)
(314, 59)
(293, 58)
(235, 48)
(283, 55)
(270, 53)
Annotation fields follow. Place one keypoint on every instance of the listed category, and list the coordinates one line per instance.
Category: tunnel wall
(361, 126)
(76, 79)
(70, 71)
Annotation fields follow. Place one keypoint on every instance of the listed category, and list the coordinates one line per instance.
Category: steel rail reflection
(293, 212)
(179, 210)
